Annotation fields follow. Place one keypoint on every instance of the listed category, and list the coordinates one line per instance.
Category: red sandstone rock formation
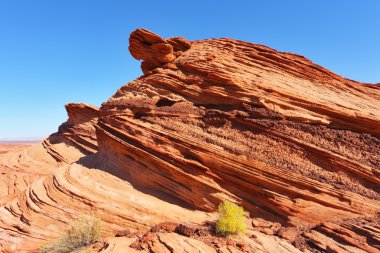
(75, 139)
(210, 120)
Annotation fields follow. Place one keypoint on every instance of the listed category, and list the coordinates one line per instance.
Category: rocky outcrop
(74, 139)
(79, 130)
(226, 119)
(297, 145)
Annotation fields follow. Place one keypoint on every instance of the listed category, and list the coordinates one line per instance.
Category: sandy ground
(14, 146)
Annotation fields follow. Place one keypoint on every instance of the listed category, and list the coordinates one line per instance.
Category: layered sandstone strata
(297, 145)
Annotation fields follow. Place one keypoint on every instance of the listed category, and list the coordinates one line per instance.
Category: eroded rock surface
(297, 145)
(226, 119)
(75, 139)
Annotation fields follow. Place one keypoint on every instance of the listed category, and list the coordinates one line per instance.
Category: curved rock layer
(297, 145)
(48, 205)
(74, 139)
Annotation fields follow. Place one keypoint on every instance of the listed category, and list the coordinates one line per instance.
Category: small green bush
(82, 232)
(231, 219)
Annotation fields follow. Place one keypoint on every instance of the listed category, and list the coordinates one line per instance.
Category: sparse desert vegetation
(231, 219)
(82, 232)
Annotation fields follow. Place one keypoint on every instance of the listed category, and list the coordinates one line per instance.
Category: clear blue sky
(54, 52)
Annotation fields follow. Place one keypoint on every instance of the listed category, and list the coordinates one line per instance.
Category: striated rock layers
(75, 139)
(297, 145)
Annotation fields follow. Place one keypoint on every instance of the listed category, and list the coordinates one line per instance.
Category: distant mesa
(21, 140)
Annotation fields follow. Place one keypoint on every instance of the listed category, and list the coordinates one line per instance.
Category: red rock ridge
(291, 140)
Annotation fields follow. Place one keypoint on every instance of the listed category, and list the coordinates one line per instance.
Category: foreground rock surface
(297, 145)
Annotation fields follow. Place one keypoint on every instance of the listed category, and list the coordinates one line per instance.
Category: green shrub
(82, 232)
(231, 219)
